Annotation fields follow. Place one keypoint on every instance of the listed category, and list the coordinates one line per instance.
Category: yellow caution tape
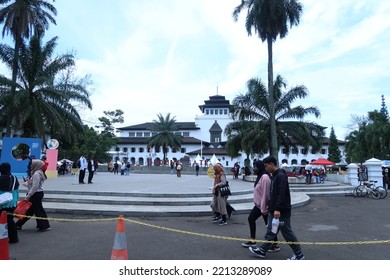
(369, 242)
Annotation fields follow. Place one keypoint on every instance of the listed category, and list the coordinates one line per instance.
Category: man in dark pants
(279, 208)
(83, 165)
(92, 166)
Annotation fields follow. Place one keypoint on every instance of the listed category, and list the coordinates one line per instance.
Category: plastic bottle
(275, 225)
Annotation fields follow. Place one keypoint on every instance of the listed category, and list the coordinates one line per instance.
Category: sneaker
(274, 249)
(222, 223)
(216, 219)
(258, 252)
(248, 244)
(297, 258)
(44, 229)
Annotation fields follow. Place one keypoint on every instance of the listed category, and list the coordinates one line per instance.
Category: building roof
(209, 151)
(215, 101)
(149, 125)
(145, 140)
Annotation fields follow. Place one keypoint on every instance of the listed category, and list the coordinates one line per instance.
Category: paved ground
(332, 228)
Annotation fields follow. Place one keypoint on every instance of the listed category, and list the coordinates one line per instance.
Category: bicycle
(367, 189)
(381, 190)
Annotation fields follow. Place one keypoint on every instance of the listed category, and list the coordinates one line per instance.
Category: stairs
(158, 195)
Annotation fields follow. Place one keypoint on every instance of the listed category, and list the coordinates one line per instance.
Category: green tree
(22, 19)
(334, 153)
(165, 137)
(251, 128)
(43, 104)
(270, 19)
(111, 118)
(371, 138)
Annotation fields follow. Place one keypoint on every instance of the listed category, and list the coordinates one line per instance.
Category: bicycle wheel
(383, 192)
(375, 194)
(357, 191)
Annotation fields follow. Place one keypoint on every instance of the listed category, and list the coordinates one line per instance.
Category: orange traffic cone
(4, 249)
(119, 251)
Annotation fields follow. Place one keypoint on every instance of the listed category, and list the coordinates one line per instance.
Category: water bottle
(275, 225)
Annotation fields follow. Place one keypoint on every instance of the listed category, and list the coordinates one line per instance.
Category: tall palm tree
(252, 122)
(270, 19)
(22, 19)
(165, 137)
(43, 103)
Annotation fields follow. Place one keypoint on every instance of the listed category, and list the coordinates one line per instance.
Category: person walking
(197, 169)
(218, 204)
(9, 183)
(35, 195)
(261, 193)
(279, 208)
(83, 165)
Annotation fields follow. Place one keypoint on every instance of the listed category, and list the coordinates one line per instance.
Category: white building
(203, 138)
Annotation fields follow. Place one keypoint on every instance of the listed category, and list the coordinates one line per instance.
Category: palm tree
(251, 127)
(269, 19)
(43, 104)
(22, 19)
(165, 137)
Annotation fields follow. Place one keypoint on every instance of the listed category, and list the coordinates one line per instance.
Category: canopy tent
(322, 161)
(68, 161)
(214, 160)
(198, 158)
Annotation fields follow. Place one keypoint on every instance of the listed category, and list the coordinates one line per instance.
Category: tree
(270, 19)
(371, 138)
(23, 19)
(251, 127)
(334, 153)
(43, 104)
(111, 118)
(165, 137)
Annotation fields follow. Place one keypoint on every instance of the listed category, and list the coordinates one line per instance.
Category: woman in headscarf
(218, 204)
(35, 196)
(9, 183)
(261, 194)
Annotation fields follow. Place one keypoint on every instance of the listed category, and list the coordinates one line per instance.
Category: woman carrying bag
(35, 196)
(218, 204)
(9, 183)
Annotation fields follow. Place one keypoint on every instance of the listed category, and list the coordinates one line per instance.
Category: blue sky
(168, 56)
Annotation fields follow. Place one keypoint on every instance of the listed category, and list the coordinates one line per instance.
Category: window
(183, 150)
(133, 150)
(216, 111)
(211, 112)
(186, 134)
(131, 134)
(284, 151)
(220, 111)
(154, 133)
(225, 111)
(312, 151)
(207, 111)
(173, 150)
(323, 151)
(294, 162)
(141, 149)
(178, 133)
(125, 150)
(294, 151)
(304, 151)
(146, 134)
(157, 150)
(139, 134)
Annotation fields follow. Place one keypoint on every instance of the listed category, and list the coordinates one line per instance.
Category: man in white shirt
(82, 166)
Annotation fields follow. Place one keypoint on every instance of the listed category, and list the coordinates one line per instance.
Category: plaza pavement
(158, 194)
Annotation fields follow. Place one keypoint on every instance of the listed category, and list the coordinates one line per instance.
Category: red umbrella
(322, 161)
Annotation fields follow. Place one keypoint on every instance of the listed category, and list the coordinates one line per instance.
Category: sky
(168, 56)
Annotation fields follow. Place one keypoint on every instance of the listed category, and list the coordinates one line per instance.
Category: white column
(374, 170)
(353, 174)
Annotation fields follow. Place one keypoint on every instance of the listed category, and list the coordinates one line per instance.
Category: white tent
(198, 158)
(214, 160)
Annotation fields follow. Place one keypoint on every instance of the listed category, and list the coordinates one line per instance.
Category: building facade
(202, 139)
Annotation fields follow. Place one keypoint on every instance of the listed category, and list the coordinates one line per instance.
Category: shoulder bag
(225, 190)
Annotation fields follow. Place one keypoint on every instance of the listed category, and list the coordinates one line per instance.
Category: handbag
(22, 208)
(225, 190)
(7, 197)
